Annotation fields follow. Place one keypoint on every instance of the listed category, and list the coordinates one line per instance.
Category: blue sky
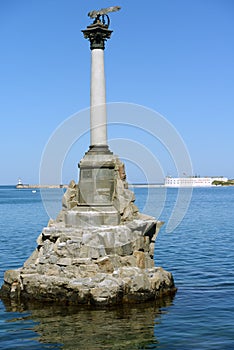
(173, 56)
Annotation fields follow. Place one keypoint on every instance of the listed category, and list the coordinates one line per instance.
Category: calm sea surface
(199, 253)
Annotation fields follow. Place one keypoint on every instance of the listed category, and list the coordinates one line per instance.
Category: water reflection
(81, 328)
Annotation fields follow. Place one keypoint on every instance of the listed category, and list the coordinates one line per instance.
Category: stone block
(126, 249)
(149, 261)
(53, 259)
(91, 252)
(105, 291)
(69, 271)
(73, 249)
(139, 242)
(128, 272)
(53, 270)
(128, 260)
(91, 216)
(88, 270)
(107, 239)
(70, 196)
(42, 260)
(60, 245)
(82, 285)
(140, 259)
(47, 247)
(151, 249)
(64, 261)
(81, 261)
(11, 276)
(87, 237)
(60, 248)
(140, 283)
(161, 278)
(105, 264)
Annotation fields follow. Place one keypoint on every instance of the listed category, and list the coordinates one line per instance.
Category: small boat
(34, 191)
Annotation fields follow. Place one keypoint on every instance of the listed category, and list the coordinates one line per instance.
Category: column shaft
(98, 120)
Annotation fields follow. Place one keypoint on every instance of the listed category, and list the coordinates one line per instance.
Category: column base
(99, 149)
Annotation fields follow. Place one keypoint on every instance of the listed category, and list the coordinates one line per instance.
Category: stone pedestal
(97, 177)
(96, 189)
(83, 216)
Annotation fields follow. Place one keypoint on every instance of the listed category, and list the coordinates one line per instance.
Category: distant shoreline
(146, 185)
(39, 186)
(26, 186)
(142, 185)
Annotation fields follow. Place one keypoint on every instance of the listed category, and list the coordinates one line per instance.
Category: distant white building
(192, 181)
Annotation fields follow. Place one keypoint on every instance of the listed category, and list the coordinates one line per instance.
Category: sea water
(199, 253)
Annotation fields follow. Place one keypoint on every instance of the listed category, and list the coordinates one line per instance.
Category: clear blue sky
(173, 56)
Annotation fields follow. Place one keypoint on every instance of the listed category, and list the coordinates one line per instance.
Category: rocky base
(105, 265)
(94, 254)
(125, 285)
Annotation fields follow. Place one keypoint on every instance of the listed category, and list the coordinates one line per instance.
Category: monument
(100, 248)
(97, 169)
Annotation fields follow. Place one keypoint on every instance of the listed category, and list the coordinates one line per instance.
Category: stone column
(97, 178)
(98, 132)
(97, 33)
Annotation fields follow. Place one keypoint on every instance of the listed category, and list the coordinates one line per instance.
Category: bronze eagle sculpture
(96, 14)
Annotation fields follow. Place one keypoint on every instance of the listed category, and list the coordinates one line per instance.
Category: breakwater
(25, 186)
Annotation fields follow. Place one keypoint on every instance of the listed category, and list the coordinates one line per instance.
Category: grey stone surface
(98, 265)
(102, 196)
(94, 258)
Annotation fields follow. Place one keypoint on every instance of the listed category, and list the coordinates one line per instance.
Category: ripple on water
(199, 253)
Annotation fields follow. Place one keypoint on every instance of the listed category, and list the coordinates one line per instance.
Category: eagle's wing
(96, 13)
(93, 14)
(109, 9)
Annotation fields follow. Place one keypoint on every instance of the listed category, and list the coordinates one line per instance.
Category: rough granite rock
(100, 265)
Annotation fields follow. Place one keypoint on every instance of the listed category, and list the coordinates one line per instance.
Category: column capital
(97, 33)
